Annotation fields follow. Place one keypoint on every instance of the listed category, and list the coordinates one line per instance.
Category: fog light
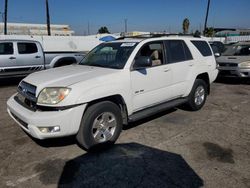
(49, 129)
(44, 129)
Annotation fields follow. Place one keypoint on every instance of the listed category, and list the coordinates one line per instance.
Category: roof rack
(155, 35)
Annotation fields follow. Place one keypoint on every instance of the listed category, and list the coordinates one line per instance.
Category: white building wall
(36, 29)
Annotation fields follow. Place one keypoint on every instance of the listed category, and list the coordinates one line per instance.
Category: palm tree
(48, 18)
(185, 25)
(205, 25)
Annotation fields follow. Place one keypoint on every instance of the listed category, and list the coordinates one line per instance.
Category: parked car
(22, 57)
(117, 82)
(235, 61)
(217, 47)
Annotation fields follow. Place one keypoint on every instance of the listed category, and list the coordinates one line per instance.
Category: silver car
(235, 61)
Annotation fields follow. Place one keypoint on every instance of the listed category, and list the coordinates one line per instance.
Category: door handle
(191, 65)
(166, 69)
(12, 58)
(38, 56)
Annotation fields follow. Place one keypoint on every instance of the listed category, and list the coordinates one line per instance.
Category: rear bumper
(69, 120)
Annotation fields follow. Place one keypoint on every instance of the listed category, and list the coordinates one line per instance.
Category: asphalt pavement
(176, 148)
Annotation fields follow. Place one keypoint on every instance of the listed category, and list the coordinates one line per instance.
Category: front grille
(30, 105)
(26, 95)
(228, 64)
(27, 90)
(227, 73)
(24, 124)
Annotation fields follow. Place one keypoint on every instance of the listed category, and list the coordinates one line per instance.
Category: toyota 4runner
(117, 82)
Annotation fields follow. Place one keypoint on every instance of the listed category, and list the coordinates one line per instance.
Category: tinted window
(177, 51)
(6, 48)
(237, 50)
(27, 48)
(203, 47)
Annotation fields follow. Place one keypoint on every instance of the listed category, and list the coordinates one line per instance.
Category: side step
(156, 109)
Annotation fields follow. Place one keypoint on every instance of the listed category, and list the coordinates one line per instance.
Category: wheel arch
(205, 77)
(118, 100)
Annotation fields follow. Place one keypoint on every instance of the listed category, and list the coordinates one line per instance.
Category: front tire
(198, 95)
(101, 124)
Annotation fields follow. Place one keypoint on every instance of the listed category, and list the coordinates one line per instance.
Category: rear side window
(6, 48)
(27, 48)
(177, 51)
(203, 47)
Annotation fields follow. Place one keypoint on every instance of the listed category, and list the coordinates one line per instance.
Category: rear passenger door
(181, 63)
(7, 55)
(29, 54)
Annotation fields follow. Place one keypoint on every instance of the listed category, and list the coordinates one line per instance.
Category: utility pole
(205, 25)
(126, 25)
(88, 29)
(48, 18)
(5, 17)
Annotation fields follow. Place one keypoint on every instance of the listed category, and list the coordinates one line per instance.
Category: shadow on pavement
(233, 80)
(124, 165)
(10, 81)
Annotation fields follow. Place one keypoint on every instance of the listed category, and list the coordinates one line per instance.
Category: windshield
(237, 50)
(109, 55)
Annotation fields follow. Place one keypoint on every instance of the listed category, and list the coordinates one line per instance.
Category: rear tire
(198, 95)
(101, 125)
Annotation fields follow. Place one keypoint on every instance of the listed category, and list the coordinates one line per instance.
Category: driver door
(151, 85)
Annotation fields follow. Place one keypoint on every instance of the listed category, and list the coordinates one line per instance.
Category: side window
(27, 48)
(6, 48)
(177, 51)
(203, 47)
(154, 51)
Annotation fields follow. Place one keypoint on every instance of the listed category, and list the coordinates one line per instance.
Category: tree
(103, 29)
(209, 32)
(185, 25)
(197, 33)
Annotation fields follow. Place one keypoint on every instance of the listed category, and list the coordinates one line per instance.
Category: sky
(147, 15)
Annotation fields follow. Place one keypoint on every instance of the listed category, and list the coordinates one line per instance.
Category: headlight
(245, 64)
(52, 95)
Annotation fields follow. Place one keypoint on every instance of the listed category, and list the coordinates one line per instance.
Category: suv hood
(232, 59)
(66, 76)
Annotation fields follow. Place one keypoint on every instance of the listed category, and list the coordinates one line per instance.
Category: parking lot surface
(177, 148)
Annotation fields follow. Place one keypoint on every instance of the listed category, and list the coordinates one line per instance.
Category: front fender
(104, 91)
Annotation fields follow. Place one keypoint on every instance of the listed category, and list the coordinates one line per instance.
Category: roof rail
(154, 35)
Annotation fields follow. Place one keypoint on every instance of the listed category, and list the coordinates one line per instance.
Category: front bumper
(233, 72)
(69, 120)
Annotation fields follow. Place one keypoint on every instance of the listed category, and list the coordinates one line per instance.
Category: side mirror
(217, 54)
(142, 62)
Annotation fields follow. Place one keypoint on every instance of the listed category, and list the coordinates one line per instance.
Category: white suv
(118, 82)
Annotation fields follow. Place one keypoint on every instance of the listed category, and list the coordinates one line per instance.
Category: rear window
(177, 51)
(6, 48)
(27, 48)
(203, 47)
